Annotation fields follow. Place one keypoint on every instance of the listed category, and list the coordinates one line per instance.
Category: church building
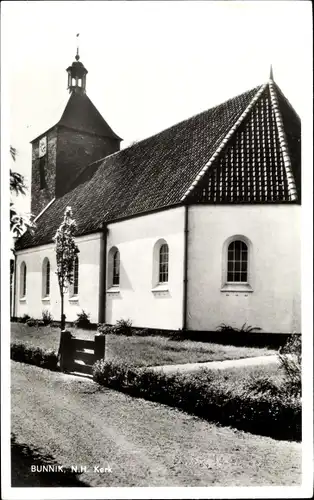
(193, 227)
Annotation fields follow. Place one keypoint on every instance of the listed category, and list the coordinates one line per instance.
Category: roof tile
(156, 172)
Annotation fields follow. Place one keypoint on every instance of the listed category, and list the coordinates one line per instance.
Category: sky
(150, 64)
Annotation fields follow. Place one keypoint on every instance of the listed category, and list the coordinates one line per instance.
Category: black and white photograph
(156, 169)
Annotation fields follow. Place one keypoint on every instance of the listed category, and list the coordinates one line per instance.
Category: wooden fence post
(66, 350)
(100, 344)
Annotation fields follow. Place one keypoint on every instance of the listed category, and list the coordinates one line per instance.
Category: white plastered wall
(274, 233)
(138, 297)
(89, 276)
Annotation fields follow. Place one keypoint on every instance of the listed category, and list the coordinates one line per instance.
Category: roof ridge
(135, 143)
(80, 113)
(226, 139)
(283, 142)
(44, 209)
(101, 117)
(282, 95)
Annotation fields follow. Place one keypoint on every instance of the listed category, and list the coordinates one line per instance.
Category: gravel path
(77, 422)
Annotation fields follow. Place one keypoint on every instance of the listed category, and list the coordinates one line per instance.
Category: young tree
(66, 250)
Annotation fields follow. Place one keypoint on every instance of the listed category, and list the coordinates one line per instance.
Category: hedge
(34, 355)
(207, 395)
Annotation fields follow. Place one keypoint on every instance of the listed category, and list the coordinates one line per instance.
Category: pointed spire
(77, 57)
(271, 74)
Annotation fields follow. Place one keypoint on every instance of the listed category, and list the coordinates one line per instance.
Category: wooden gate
(79, 355)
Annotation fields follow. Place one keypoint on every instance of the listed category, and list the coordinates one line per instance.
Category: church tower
(77, 75)
(79, 138)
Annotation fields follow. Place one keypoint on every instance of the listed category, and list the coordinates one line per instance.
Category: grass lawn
(140, 350)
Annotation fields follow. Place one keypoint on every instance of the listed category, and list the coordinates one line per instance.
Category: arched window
(163, 263)
(46, 278)
(237, 271)
(23, 275)
(116, 268)
(76, 276)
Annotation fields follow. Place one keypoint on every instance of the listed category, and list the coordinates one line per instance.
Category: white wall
(88, 296)
(274, 303)
(135, 239)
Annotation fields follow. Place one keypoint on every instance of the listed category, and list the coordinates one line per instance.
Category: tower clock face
(42, 146)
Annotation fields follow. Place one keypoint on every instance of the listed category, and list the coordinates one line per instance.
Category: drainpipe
(103, 275)
(13, 312)
(185, 266)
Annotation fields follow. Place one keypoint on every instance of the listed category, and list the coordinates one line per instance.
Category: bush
(264, 385)
(244, 329)
(31, 322)
(290, 358)
(103, 328)
(123, 327)
(208, 395)
(34, 355)
(24, 318)
(47, 317)
(83, 320)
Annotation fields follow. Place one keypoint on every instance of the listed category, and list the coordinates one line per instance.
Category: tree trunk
(62, 312)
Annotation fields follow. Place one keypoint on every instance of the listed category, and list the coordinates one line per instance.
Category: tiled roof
(172, 166)
(252, 167)
(81, 114)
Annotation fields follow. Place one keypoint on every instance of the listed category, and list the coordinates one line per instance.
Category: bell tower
(79, 138)
(77, 75)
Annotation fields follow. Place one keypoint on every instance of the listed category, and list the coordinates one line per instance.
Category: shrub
(207, 395)
(244, 329)
(123, 327)
(264, 385)
(290, 358)
(142, 332)
(103, 328)
(34, 355)
(47, 317)
(31, 322)
(39, 322)
(83, 320)
(24, 318)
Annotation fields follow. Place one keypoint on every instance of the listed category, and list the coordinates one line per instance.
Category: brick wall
(75, 151)
(41, 197)
(68, 152)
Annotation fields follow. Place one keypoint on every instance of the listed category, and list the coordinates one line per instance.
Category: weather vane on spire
(77, 47)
